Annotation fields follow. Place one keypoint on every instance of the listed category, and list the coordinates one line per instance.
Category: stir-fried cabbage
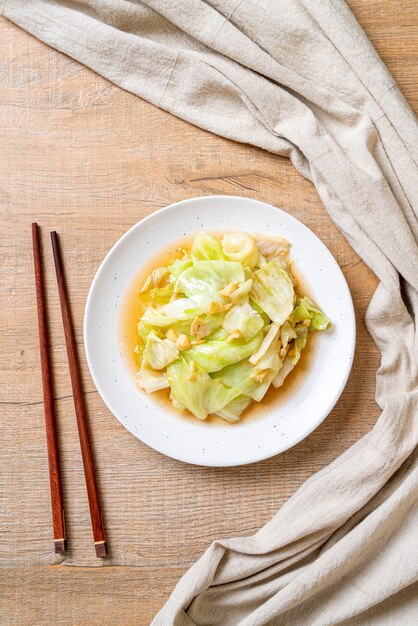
(305, 309)
(243, 319)
(179, 265)
(152, 380)
(222, 323)
(206, 247)
(240, 247)
(168, 314)
(293, 355)
(203, 281)
(217, 352)
(159, 353)
(201, 394)
(232, 412)
(273, 291)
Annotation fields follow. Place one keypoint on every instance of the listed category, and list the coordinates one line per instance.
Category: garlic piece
(171, 334)
(229, 289)
(236, 334)
(183, 342)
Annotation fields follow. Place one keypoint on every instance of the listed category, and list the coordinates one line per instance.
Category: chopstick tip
(101, 549)
(60, 545)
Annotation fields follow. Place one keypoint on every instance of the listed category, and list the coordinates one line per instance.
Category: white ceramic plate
(201, 443)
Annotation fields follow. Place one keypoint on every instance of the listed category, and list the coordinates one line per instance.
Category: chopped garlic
(192, 366)
(229, 289)
(215, 307)
(200, 328)
(183, 342)
(236, 334)
(241, 292)
(306, 322)
(156, 277)
(191, 377)
(171, 334)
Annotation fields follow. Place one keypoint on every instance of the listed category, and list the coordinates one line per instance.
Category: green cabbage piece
(237, 375)
(232, 412)
(206, 325)
(273, 291)
(306, 309)
(154, 279)
(241, 294)
(299, 343)
(270, 360)
(144, 330)
(284, 371)
(168, 314)
(291, 360)
(259, 311)
(162, 295)
(269, 340)
(240, 247)
(158, 353)
(243, 375)
(206, 247)
(216, 353)
(287, 333)
(202, 282)
(268, 367)
(152, 380)
(202, 395)
(245, 319)
(179, 266)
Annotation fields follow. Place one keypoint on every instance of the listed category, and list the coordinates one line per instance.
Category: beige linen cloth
(298, 78)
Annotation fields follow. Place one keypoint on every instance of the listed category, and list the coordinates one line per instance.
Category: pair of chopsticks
(58, 520)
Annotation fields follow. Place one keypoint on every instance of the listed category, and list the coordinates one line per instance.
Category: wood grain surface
(83, 157)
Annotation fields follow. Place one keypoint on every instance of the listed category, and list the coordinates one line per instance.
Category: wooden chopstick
(57, 501)
(92, 492)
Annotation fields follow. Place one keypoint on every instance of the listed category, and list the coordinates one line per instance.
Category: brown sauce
(133, 306)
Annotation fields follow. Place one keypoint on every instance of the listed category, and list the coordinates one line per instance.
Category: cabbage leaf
(151, 380)
(293, 355)
(308, 310)
(245, 319)
(273, 291)
(206, 247)
(168, 314)
(158, 353)
(240, 247)
(232, 412)
(199, 393)
(216, 352)
(253, 381)
(203, 282)
(180, 265)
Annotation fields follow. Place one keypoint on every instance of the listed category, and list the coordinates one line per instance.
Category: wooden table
(83, 157)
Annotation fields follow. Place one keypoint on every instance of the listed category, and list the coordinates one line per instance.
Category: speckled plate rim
(130, 405)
